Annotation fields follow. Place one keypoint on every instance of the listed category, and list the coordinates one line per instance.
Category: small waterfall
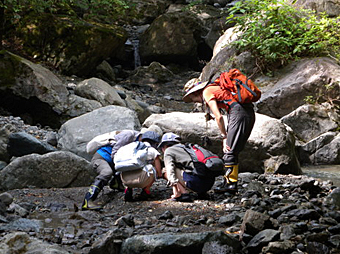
(135, 44)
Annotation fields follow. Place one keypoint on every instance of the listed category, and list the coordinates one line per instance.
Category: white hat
(169, 137)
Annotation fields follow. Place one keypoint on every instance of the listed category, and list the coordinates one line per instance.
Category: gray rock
(99, 90)
(180, 243)
(270, 147)
(22, 224)
(262, 239)
(77, 132)
(56, 169)
(332, 8)
(21, 143)
(307, 77)
(335, 197)
(6, 198)
(328, 154)
(310, 121)
(20, 242)
(254, 222)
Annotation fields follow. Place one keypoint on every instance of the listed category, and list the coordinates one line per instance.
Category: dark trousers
(241, 119)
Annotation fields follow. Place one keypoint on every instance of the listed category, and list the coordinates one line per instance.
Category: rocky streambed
(270, 214)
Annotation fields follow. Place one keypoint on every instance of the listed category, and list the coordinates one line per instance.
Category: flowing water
(324, 172)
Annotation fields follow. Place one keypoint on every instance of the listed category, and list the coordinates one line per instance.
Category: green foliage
(112, 9)
(192, 4)
(309, 99)
(276, 32)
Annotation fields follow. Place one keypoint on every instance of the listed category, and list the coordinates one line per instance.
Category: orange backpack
(242, 89)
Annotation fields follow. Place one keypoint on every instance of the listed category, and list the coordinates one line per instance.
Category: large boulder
(77, 132)
(322, 150)
(226, 57)
(30, 89)
(315, 79)
(99, 90)
(144, 12)
(270, 147)
(72, 45)
(59, 169)
(310, 121)
(331, 7)
(172, 38)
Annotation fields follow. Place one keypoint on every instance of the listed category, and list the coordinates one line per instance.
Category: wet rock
(262, 239)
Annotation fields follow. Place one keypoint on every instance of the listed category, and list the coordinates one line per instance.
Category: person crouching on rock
(102, 163)
(179, 170)
(143, 177)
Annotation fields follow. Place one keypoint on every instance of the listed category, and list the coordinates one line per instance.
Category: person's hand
(226, 148)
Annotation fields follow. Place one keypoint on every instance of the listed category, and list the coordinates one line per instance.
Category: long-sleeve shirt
(176, 157)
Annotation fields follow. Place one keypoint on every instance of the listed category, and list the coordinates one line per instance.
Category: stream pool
(324, 172)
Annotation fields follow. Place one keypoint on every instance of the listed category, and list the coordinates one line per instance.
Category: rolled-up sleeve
(170, 166)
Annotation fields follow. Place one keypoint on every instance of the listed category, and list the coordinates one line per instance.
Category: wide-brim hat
(192, 87)
(169, 137)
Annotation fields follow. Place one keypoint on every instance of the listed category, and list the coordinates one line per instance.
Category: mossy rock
(69, 44)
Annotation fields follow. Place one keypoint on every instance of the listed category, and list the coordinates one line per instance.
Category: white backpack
(99, 141)
(131, 157)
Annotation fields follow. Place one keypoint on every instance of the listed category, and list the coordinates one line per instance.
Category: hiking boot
(128, 195)
(92, 205)
(227, 187)
(91, 195)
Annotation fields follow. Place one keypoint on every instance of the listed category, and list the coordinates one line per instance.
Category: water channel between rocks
(324, 172)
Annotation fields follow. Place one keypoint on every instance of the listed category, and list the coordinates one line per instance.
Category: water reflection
(324, 172)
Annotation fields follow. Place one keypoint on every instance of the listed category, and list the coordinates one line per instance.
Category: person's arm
(158, 167)
(218, 116)
(170, 167)
(220, 123)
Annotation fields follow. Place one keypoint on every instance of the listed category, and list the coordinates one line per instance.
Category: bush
(277, 32)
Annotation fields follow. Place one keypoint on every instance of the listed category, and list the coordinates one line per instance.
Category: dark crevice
(32, 111)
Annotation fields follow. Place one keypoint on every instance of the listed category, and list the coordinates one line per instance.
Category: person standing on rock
(102, 163)
(241, 119)
(178, 170)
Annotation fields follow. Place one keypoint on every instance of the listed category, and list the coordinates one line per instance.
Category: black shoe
(128, 195)
(144, 196)
(227, 187)
(203, 196)
(183, 198)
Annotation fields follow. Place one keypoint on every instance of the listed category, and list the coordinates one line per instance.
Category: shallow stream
(324, 172)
